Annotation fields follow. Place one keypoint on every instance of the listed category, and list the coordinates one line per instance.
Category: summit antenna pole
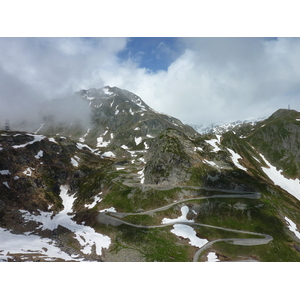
(7, 126)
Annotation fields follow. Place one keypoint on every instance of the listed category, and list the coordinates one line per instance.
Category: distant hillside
(126, 183)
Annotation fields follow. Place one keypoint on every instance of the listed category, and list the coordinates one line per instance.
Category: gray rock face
(168, 162)
(278, 138)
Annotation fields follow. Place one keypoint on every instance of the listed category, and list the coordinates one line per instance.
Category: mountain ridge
(96, 191)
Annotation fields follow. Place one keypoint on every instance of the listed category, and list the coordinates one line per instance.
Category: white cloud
(219, 79)
(213, 80)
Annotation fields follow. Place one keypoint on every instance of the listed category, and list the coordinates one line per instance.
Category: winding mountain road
(114, 219)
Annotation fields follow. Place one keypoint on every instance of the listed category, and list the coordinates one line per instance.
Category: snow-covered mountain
(125, 183)
(221, 128)
(116, 117)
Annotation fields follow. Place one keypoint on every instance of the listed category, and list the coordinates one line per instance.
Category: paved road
(114, 218)
(265, 238)
(162, 208)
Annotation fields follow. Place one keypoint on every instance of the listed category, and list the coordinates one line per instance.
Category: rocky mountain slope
(131, 184)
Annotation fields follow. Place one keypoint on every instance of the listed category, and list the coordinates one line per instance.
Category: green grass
(155, 244)
(275, 251)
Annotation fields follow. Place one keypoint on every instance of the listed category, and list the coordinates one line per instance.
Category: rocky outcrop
(278, 139)
(170, 158)
(33, 167)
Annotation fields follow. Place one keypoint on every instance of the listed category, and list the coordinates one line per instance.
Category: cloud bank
(211, 80)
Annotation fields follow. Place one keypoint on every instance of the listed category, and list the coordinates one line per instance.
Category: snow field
(292, 186)
(86, 236)
(28, 244)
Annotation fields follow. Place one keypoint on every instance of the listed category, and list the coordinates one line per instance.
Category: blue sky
(197, 80)
(153, 53)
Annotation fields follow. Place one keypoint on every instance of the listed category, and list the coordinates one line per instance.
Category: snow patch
(6, 184)
(198, 149)
(108, 154)
(214, 143)
(120, 168)
(28, 171)
(292, 186)
(142, 159)
(212, 257)
(86, 236)
(293, 227)
(53, 140)
(29, 244)
(211, 163)
(107, 92)
(74, 162)
(37, 138)
(39, 154)
(111, 209)
(40, 128)
(5, 172)
(142, 177)
(138, 140)
(182, 218)
(188, 232)
(97, 199)
(101, 142)
(82, 139)
(235, 159)
(80, 146)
